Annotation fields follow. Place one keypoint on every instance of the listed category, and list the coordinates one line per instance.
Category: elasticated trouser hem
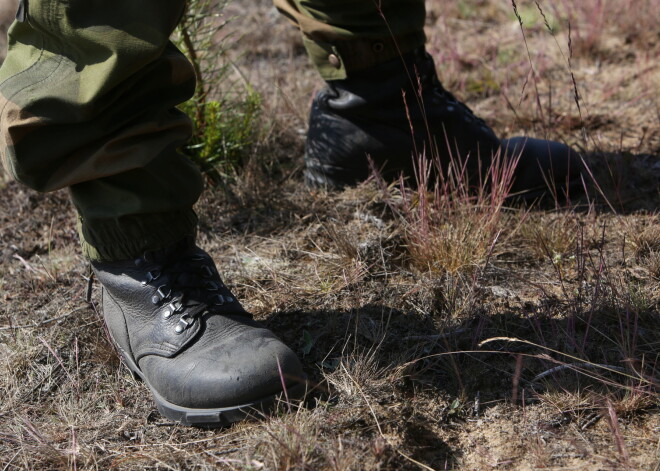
(131, 236)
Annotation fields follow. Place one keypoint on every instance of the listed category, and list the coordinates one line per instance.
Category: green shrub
(224, 111)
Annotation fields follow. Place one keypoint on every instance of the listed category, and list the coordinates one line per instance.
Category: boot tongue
(169, 254)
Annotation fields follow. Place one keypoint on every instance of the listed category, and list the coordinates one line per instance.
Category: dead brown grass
(389, 333)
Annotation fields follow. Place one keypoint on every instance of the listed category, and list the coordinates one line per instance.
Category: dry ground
(391, 336)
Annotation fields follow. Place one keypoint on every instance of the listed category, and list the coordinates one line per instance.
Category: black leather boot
(180, 329)
(399, 110)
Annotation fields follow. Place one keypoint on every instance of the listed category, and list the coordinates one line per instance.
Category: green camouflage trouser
(88, 96)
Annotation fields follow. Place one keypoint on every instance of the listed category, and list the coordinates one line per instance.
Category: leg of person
(88, 96)
(383, 100)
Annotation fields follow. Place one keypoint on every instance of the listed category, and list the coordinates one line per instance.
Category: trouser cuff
(339, 59)
(129, 237)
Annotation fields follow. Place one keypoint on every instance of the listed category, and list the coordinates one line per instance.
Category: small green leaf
(455, 405)
(308, 342)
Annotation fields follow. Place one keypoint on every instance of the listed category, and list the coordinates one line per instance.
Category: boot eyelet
(183, 324)
(167, 313)
(211, 286)
(163, 292)
(207, 272)
(151, 276)
(176, 305)
(219, 299)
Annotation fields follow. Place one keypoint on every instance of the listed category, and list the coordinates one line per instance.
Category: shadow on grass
(623, 182)
(417, 379)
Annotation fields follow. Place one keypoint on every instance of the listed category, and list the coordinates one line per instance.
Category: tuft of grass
(450, 224)
(552, 237)
(645, 241)
(652, 264)
(359, 377)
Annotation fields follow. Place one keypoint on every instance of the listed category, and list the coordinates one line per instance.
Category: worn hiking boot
(180, 329)
(399, 110)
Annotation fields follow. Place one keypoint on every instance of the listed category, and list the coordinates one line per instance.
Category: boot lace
(441, 96)
(189, 286)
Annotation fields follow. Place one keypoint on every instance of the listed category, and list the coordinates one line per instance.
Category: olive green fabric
(88, 96)
(342, 36)
(87, 100)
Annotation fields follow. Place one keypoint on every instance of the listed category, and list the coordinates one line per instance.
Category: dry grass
(447, 226)
(550, 236)
(388, 294)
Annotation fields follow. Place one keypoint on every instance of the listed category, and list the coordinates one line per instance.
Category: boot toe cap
(543, 164)
(216, 373)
